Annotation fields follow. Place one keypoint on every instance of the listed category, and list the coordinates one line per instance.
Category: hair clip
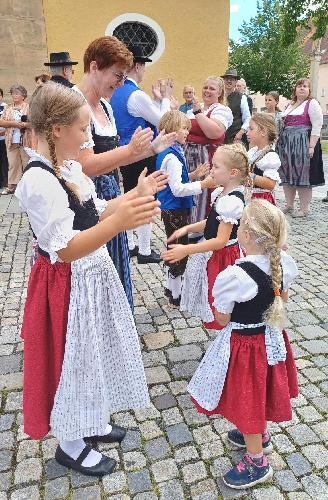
(276, 292)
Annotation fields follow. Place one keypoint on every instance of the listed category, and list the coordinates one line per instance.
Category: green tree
(309, 14)
(260, 56)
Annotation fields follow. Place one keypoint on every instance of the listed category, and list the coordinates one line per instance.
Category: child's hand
(208, 183)
(174, 254)
(177, 234)
(151, 184)
(141, 140)
(202, 170)
(284, 247)
(135, 211)
(163, 141)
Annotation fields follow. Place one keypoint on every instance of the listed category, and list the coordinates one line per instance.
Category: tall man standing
(61, 68)
(238, 104)
(133, 108)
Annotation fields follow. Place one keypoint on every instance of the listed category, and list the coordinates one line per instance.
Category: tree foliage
(310, 14)
(260, 56)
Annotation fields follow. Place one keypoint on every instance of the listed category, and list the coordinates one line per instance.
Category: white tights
(144, 235)
(75, 448)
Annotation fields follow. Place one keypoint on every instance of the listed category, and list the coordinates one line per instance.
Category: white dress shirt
(245, 113)
(141, 105)
(173, 167)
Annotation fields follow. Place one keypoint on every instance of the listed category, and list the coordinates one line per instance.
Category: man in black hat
(133, 108)
(61, 68)
(238, 104)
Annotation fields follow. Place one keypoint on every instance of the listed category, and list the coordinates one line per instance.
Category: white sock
(131, 243)
(74, 450)
(144, 235)
(175, 285)
(107, 430)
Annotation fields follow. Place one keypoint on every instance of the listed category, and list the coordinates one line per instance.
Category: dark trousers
(131, 172)
(3, 164)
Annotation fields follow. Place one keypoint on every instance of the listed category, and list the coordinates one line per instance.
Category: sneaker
(134, 252)
(235, 437)
(248, 473)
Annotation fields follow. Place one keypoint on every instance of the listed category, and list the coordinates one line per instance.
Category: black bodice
(212, 223)
(86, 215)
(253, 310)
(254, 168)
(105, 143)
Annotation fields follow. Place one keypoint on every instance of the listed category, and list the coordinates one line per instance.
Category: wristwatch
(197, 111)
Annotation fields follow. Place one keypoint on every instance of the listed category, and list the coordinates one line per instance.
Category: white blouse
(219, 112)
(235, 285)
(315, 114)
(229, 209)
(109, 130)
(46, 203)
(173, 167)
(270, 163)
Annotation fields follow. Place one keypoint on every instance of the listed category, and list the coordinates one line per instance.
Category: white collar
(254, 258)
(133, 81)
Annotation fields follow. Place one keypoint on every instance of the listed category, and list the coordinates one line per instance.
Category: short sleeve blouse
(269, 164)
(229, 208)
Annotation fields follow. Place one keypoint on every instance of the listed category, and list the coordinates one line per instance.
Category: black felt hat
(60, 59)
(231, 72)
(138, 54)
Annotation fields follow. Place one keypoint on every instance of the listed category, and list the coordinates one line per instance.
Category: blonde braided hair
(268, 228)
(53, 104)
(238, 159)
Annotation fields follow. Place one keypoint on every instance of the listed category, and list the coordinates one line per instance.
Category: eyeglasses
(119, 76)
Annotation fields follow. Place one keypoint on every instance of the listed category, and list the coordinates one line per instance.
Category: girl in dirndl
(219, 248)
(82, 359)
(264, 162)
(248, 374)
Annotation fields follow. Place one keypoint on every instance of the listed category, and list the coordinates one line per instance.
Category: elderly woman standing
(17, 136)
(299, 148)
(209, 122)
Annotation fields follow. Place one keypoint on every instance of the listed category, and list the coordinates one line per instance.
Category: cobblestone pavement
(170, 451)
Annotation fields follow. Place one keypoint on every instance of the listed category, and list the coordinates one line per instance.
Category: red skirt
(265, 196)
(44, 333)
(255, 392)
(219, 261)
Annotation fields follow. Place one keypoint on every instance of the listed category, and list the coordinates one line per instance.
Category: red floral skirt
(255, 392)
(265, 196)
(219, 261)
(44, 333)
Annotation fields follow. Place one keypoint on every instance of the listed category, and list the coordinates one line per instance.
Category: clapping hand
(163, 141)
(136, 211)
(202, 170)
(209, 183)
(174, 254)
(156, 90)
(178, 233)
(151, 184)
(141, 140)
(196, 104)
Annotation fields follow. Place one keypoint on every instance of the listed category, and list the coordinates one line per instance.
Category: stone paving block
(220, 466)
(309, 414)
(322, 430)
(185, 454)
(145, 496)
(5, 460)
(165, 401)
(9, 364)
(315, 487)
(171, 490)
(179, 434)
(6, 440)
(158, 340)
(321, 403)
(125, 420)
(6, 421)
(302, 434)
(185, 401)
(317, 454)
(314, 374)
(310, 390)
(28, 470)
(172, 416)
(11, 381)
(315, 346)
(178, 387)
(282, 443)
(164, 470)
(191, 335)
(299, 495)
(134, 460)
(158, 390)
(29, 493)
(211, 450)
(53, 469)
(150, 430)
(204, 490)
(157, 449)
(184, 353)
(139, 481)
(312, 331)
(115, 482)
(153, 358)
(89, 493)
(14, 401)
(204, 434)
(299, 464)
(276, 461)
(78, 480)
(56, 489)
(184, 370)
(270, 493)
(49, 447)
(194, 472)
(5, 479)
(287, 481)
(131, 441)
(27, 449)
(157, 375)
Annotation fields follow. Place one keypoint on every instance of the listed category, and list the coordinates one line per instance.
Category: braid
(52, 152)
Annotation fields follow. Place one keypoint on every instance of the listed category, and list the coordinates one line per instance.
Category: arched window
(137, 29)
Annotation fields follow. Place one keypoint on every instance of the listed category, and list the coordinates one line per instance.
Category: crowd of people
(209, 168)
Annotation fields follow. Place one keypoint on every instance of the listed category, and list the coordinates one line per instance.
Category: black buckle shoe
(105, 466)
(116, 435)
(134, 251)
(153, 258)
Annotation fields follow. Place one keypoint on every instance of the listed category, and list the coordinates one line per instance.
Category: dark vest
(254, 168)
(253, 310)
(234, 101)
(212, 223)
(86, 215)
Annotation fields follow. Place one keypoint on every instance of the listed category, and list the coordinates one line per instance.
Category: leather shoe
(134, 251)
(116, 435)
(105, 466)
(153, 258)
